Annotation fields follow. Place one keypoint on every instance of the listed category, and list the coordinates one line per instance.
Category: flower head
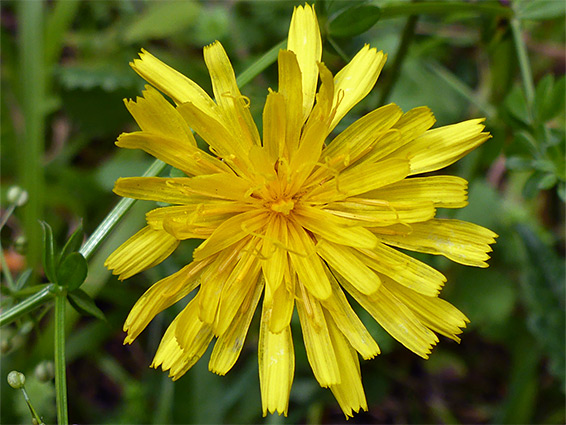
(293, 220)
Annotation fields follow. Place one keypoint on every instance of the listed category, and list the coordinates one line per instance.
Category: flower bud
(16, 379)
(20, 244)
(16, 195)
(45, 371)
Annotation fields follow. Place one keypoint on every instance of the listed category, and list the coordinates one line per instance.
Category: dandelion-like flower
(295, 220)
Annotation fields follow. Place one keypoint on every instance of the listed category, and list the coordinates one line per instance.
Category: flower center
(283, 206)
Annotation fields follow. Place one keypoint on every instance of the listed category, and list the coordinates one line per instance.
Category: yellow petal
(213, 280)
(229, 345)
(348, 322)
(304, 159)
(156, 115)
(192, 334)
(175, 356)
(334, 229)
(282, 304)
(356, 80)
(233, 106)
(324, 99)
(359, 138)
(174, 151)
(443, 191)
(276, 360)
(181, 190)
(360, 179)
(349, 392)
(290, 87)
(435, 313)
(404, 269)
(307, 263)
(374, 213)
(145, 249)
(396, 318)
(274, 125)
(231, 231)
(415, 122)
(304, 40)
(350, 266)
(171, 82)
(243, 278)
(160, 296)
(232, 150)
(159, 189)
(440, 147)
(317, 340)
(197, 220)
(460, 241)
(274, 261)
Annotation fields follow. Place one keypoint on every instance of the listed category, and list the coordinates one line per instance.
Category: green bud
(45, 371)
(20, 244)
(16, 379)
(16, 195)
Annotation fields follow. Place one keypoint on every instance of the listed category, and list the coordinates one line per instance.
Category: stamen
(283, 206)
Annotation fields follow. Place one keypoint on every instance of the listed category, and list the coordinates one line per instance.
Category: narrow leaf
(48, 252)
(84, 304)
(74, 243)
(22, 280)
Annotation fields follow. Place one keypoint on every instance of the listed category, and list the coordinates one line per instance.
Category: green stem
(60, 366)
(259, 65)
(7, 215)
(453, 81)
(393, 75)
(30, 406)
(338, 49)
(27, 305)
(524, 64)
(126, 203)
(444, 8)
(32, 95)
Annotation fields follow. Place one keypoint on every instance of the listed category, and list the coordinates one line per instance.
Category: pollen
(284, 206)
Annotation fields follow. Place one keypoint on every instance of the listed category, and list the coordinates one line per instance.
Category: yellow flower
(286, 216)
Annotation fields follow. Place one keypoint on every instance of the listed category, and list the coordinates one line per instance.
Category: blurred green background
(64, 73)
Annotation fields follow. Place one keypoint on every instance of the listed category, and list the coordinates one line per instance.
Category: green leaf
(73, 243)
(23, 278)
(161, 20)
(354, 21)
(518, 163)
(549, 98)
(73, 271)
(84, 304)
(533, 184)
(516, 104)
(547, 181)
(541, 9)
(48, 252)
